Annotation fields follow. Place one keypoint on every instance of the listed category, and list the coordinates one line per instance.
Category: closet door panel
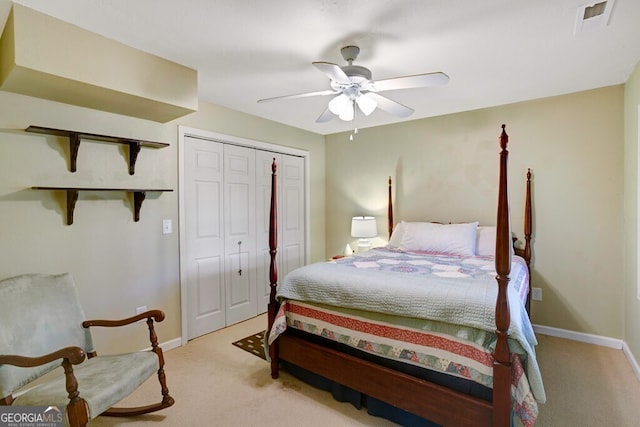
(240, 233)
(204, 236)
(293, 216)
(209, 297)
(238, 201)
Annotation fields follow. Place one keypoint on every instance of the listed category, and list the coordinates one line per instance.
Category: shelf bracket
(134, 149)
(138, 198)
(74, 145)
(72, 198)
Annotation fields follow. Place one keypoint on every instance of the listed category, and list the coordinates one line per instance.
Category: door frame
(185, 131)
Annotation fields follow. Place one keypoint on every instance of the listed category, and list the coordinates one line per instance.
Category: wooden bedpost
(273, 271)
(525, 252)
(390, 211)
(527, 235)
(502, 357)
(527, 220)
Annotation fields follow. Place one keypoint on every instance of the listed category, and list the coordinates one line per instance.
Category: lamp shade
(363, 227)
(367, 105)
(347, 114)
(339, 104)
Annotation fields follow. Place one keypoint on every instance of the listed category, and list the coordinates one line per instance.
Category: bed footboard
(420, 397)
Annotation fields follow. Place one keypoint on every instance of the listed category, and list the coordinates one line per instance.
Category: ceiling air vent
(593, 16)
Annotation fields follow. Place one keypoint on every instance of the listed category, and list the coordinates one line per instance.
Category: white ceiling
(494, 51)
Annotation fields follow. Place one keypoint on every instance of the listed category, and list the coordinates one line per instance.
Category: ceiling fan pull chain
(355, 129)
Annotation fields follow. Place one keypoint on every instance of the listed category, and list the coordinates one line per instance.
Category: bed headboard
(521, 252)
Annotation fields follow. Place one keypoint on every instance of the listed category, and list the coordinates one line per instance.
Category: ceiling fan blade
(333, 71)
(300, 95)
(408, 82)
(326, 116)
(390, 106)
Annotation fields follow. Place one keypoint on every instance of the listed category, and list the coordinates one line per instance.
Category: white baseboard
(632, 360)
(168, 345)
(579, 336)
(592, 339)
(171, 344)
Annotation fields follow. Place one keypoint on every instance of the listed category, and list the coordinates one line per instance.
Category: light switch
(166, 226)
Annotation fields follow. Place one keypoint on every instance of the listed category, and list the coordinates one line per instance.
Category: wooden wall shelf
(139, 194)
(75, 137)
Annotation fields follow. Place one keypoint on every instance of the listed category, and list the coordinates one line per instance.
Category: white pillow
(396, 235)
(487, 241)
(456, 239)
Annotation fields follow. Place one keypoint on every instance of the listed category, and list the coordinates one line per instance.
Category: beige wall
(118, 264)
(631, 303)
(445, 169)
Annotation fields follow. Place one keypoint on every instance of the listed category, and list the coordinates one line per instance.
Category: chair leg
(166, 398)
(77, 411)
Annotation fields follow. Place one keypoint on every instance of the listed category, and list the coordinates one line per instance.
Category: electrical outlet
(141, 309)
(536, 294)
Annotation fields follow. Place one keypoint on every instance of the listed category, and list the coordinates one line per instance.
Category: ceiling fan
(352, 86)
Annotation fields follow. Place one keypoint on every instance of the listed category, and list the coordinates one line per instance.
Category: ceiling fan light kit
(342, 106)
(366, 103)
(351, 86)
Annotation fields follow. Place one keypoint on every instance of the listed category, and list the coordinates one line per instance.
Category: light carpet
(215, 383)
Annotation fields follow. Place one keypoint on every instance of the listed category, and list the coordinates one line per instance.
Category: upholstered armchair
(44, 328)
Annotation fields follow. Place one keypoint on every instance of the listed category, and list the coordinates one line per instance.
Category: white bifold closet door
(240, 233)
(204, 236)
(227, 190)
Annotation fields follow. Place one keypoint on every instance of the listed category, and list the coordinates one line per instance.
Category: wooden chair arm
(151, 315)
(70, 356)
(73, 354)
(157, 315)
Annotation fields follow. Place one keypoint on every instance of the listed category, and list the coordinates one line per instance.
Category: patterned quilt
(449, 290)
(423, 344)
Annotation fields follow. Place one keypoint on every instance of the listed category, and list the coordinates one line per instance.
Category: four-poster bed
(398, 360)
